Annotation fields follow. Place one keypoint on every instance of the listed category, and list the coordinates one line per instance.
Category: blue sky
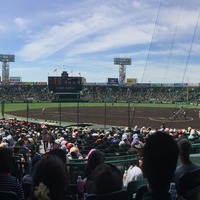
(84, 36)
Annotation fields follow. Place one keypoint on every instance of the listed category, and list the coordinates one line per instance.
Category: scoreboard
(65, 84)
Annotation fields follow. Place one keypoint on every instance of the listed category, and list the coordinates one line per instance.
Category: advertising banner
(113, 81)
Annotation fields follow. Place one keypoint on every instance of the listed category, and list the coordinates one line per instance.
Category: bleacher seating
(8, 195)
(189, 185)
(118, 195)
(100, 93)
(77, 166)
(133, 186)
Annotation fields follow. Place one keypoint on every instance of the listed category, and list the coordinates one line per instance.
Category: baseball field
(108, 114)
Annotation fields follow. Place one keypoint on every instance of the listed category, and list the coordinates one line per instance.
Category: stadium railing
(76, 167)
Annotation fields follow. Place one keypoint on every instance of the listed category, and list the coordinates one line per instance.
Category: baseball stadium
(77, 117)
(102, 100)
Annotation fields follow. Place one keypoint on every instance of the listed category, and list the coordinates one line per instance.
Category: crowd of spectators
(102, 93)
(23, 93)
(42, 145)
(69, 143)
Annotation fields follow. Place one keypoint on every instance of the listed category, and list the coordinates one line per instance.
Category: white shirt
(134, 173)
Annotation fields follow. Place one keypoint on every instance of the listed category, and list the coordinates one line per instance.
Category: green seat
(189, 185)
(133, 186)
(118, 195)
(8, 195)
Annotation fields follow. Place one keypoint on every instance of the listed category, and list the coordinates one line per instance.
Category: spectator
(28, 177)
(27, 180)
(88, 155)
(7, 181)
(16, 152)
(160, 155)
(99, 139)
(50, 180)
(136, 148)
(56, 144)
(107, 179)
(124, 142)
(69, 146)
(75, 153)
(136, 141)
(134, 173)
(23, 149)
(4, 142)
(94, 159)
(45, 139)
(60, 153)
(140, 154)
(115, 139)
(30, 145)
(10, 139)
(186, 164)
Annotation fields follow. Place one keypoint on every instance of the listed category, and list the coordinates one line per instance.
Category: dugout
(66, 97)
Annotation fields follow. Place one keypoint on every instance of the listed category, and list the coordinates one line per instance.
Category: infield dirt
(117, 116)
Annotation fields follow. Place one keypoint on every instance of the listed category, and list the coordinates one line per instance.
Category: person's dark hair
(185, 147)
(34, 160)
(51, 171)
(16, 149)
(160, 155)
(96, 157)
(60, 153)
(20, 142)
(5, 160)
(107, 179)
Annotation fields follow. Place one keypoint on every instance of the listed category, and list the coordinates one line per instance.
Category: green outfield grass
(23, 106)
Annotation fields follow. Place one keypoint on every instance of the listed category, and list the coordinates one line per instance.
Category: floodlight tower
(5, 59)
(122, 62)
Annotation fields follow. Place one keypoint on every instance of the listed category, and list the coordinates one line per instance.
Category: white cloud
(2, 27)
(126, 36)
(20, 22)
(87, 35)
(50, 41)
(104, 27)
